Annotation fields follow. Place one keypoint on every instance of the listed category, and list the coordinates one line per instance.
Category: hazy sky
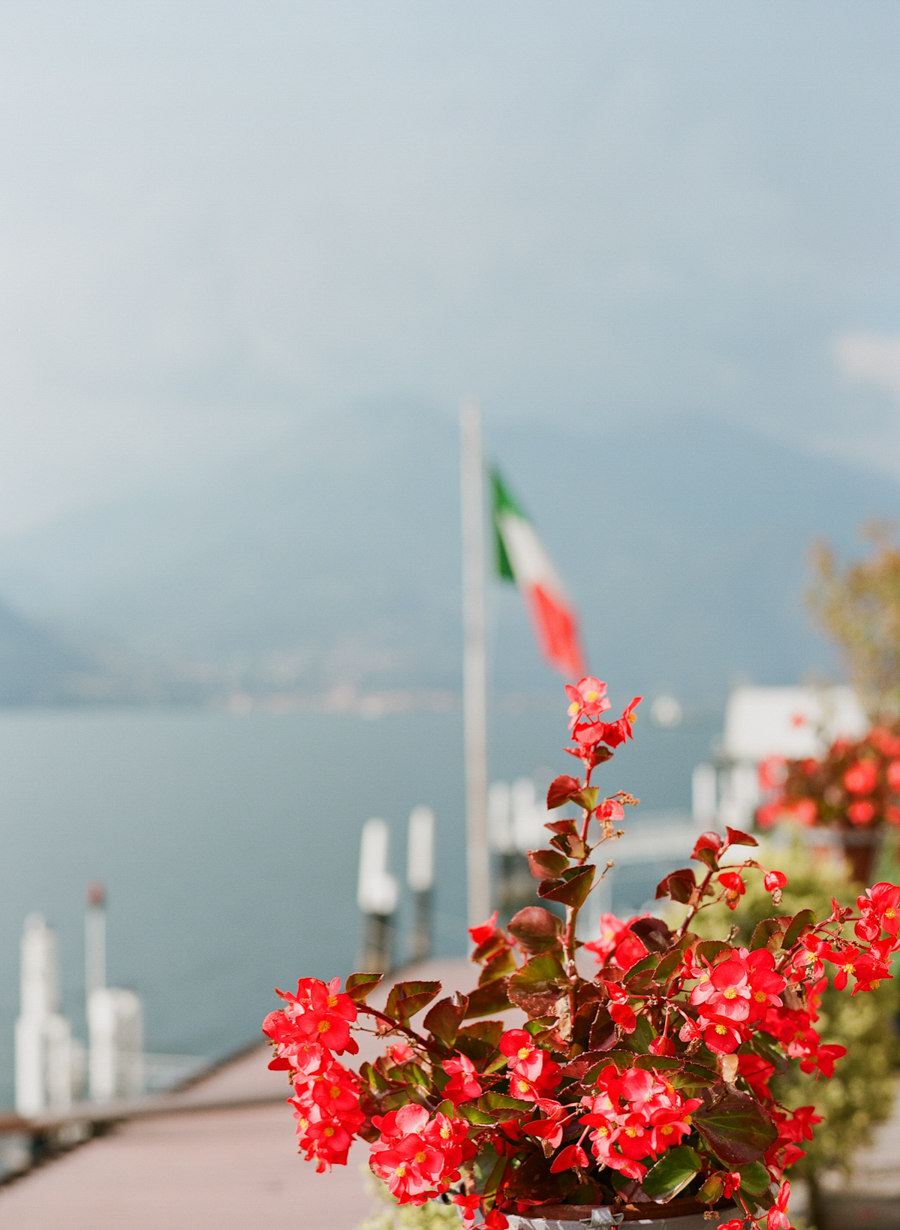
(217, 218)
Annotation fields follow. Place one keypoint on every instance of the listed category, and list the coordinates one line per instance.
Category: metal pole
(474, 664)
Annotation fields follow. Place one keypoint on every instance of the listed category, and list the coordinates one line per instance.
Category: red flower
(464, 1086)
(572, 1155)
(588, 699)
(893, 775)
(734, 888)
(629, 951)
(883, 901)
(861, 778)
(611, 931)
(757, 1072)
(772, 772)
(617, 732)
(824, 1059)
(726, 993)
(861, 812)
(322, 1014)
(470, 1207)
(484, 931)
(777, 1218)
(774, 881)
(721, 1038)
(523, 1056)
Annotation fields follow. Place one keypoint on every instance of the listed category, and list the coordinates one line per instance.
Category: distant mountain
(333, 559)
(38, 668)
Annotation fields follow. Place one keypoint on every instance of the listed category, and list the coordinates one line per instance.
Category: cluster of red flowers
(419, 1156)
(636, 1115)
(649, 1080)
(856, 784)
(588, 700)
(315, 1024)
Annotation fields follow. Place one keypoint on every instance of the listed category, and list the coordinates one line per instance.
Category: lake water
(228, 845)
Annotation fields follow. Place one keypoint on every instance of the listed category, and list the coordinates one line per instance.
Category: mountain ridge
(332, 560)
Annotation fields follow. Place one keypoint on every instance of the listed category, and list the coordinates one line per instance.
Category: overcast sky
(218, 218)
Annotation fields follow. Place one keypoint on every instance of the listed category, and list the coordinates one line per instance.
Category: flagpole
(474, 663)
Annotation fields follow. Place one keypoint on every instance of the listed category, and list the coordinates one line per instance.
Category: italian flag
(521, 558)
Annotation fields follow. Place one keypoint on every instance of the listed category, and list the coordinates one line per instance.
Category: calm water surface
(228, 845)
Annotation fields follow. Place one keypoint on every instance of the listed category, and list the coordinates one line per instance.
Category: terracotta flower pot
(684, 1214)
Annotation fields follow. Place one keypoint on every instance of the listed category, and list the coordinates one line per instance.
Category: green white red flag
(522, 558)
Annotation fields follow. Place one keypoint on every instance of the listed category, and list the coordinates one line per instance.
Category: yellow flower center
(759, 996)
(848, 969)
(400, 1171)
(332, 1001)
(323, 1026)
(445, 1133)
(730, 993)
(631, 1131)
(891, 913)
(573, 708)
(524, 1052)
(329, 1131)
(602, 1131)
(335, 1091)
(420, 1157)
(523, 1087)
(667, 1129)
(592, 696)
(721, 1029)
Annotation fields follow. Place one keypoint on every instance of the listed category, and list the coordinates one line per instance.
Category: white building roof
(791, 722)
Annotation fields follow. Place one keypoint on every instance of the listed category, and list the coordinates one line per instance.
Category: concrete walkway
(203, 1167)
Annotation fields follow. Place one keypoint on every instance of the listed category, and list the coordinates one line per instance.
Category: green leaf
(641, 1036)
(658, 1063)
(806, 918)
(445, 1018)
(492, 997)
(755, 1178)
(498, 967)
(359, 985)
(672, 1173)
(470, 1111)
(668, 966)
(538, 985)
(373, 1078)
(408, 998)
(536, 929)
(736, 1128)
(642, 973)
(709, 950)
(587, 798)
(572, 891)
(495, 1176)
(503, 1107)
(764, 932)
(712, 1189)
(546, 863)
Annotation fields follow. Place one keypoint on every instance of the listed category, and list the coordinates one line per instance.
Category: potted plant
(637, 1092)
(854, 790)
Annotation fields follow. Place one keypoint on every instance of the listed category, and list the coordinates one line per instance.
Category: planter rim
(595, 1217)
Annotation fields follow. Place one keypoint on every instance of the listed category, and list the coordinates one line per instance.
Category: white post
(474, 664)
(95, 939)
(43, 1037)
(376, 896)
(420, 878)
